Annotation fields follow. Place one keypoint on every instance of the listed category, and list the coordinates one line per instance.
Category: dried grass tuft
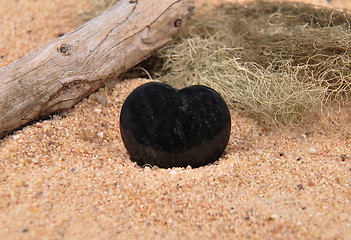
(275, 93)
(279, 60)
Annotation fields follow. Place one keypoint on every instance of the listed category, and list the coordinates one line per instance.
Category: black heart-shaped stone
(166, 127)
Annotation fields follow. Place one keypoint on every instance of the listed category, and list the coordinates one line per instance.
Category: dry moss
(280, 60)
(275, 93)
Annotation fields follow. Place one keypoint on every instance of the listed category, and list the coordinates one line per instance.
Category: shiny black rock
(166, 127)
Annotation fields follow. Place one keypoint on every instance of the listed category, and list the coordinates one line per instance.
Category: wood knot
(64, 48)
(178, 23)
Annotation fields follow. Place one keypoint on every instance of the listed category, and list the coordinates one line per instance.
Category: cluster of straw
(280, 60)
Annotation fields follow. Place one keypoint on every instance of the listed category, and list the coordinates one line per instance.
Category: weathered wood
(58, 75)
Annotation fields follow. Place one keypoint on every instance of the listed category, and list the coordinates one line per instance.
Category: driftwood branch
(60, 74)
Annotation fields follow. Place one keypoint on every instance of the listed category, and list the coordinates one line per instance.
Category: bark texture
(60, 74)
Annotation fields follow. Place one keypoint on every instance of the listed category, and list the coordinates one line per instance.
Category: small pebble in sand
(312, 150)
(155, 168)
(299, 186)
(97, 110)
(310, 183)
(274, 217)
(301, 137)
(15, 137)
(102, 100)
(343, 157)
(101, 134)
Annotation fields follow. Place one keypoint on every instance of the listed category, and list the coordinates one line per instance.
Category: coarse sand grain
(70, 177)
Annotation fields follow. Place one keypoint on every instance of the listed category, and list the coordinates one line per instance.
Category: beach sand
(70, 177)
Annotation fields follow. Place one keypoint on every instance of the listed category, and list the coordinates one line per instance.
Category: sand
(70, 177)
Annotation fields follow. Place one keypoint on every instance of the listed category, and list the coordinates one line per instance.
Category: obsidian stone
(167, 127)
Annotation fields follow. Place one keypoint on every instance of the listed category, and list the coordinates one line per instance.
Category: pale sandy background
(71, 178)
